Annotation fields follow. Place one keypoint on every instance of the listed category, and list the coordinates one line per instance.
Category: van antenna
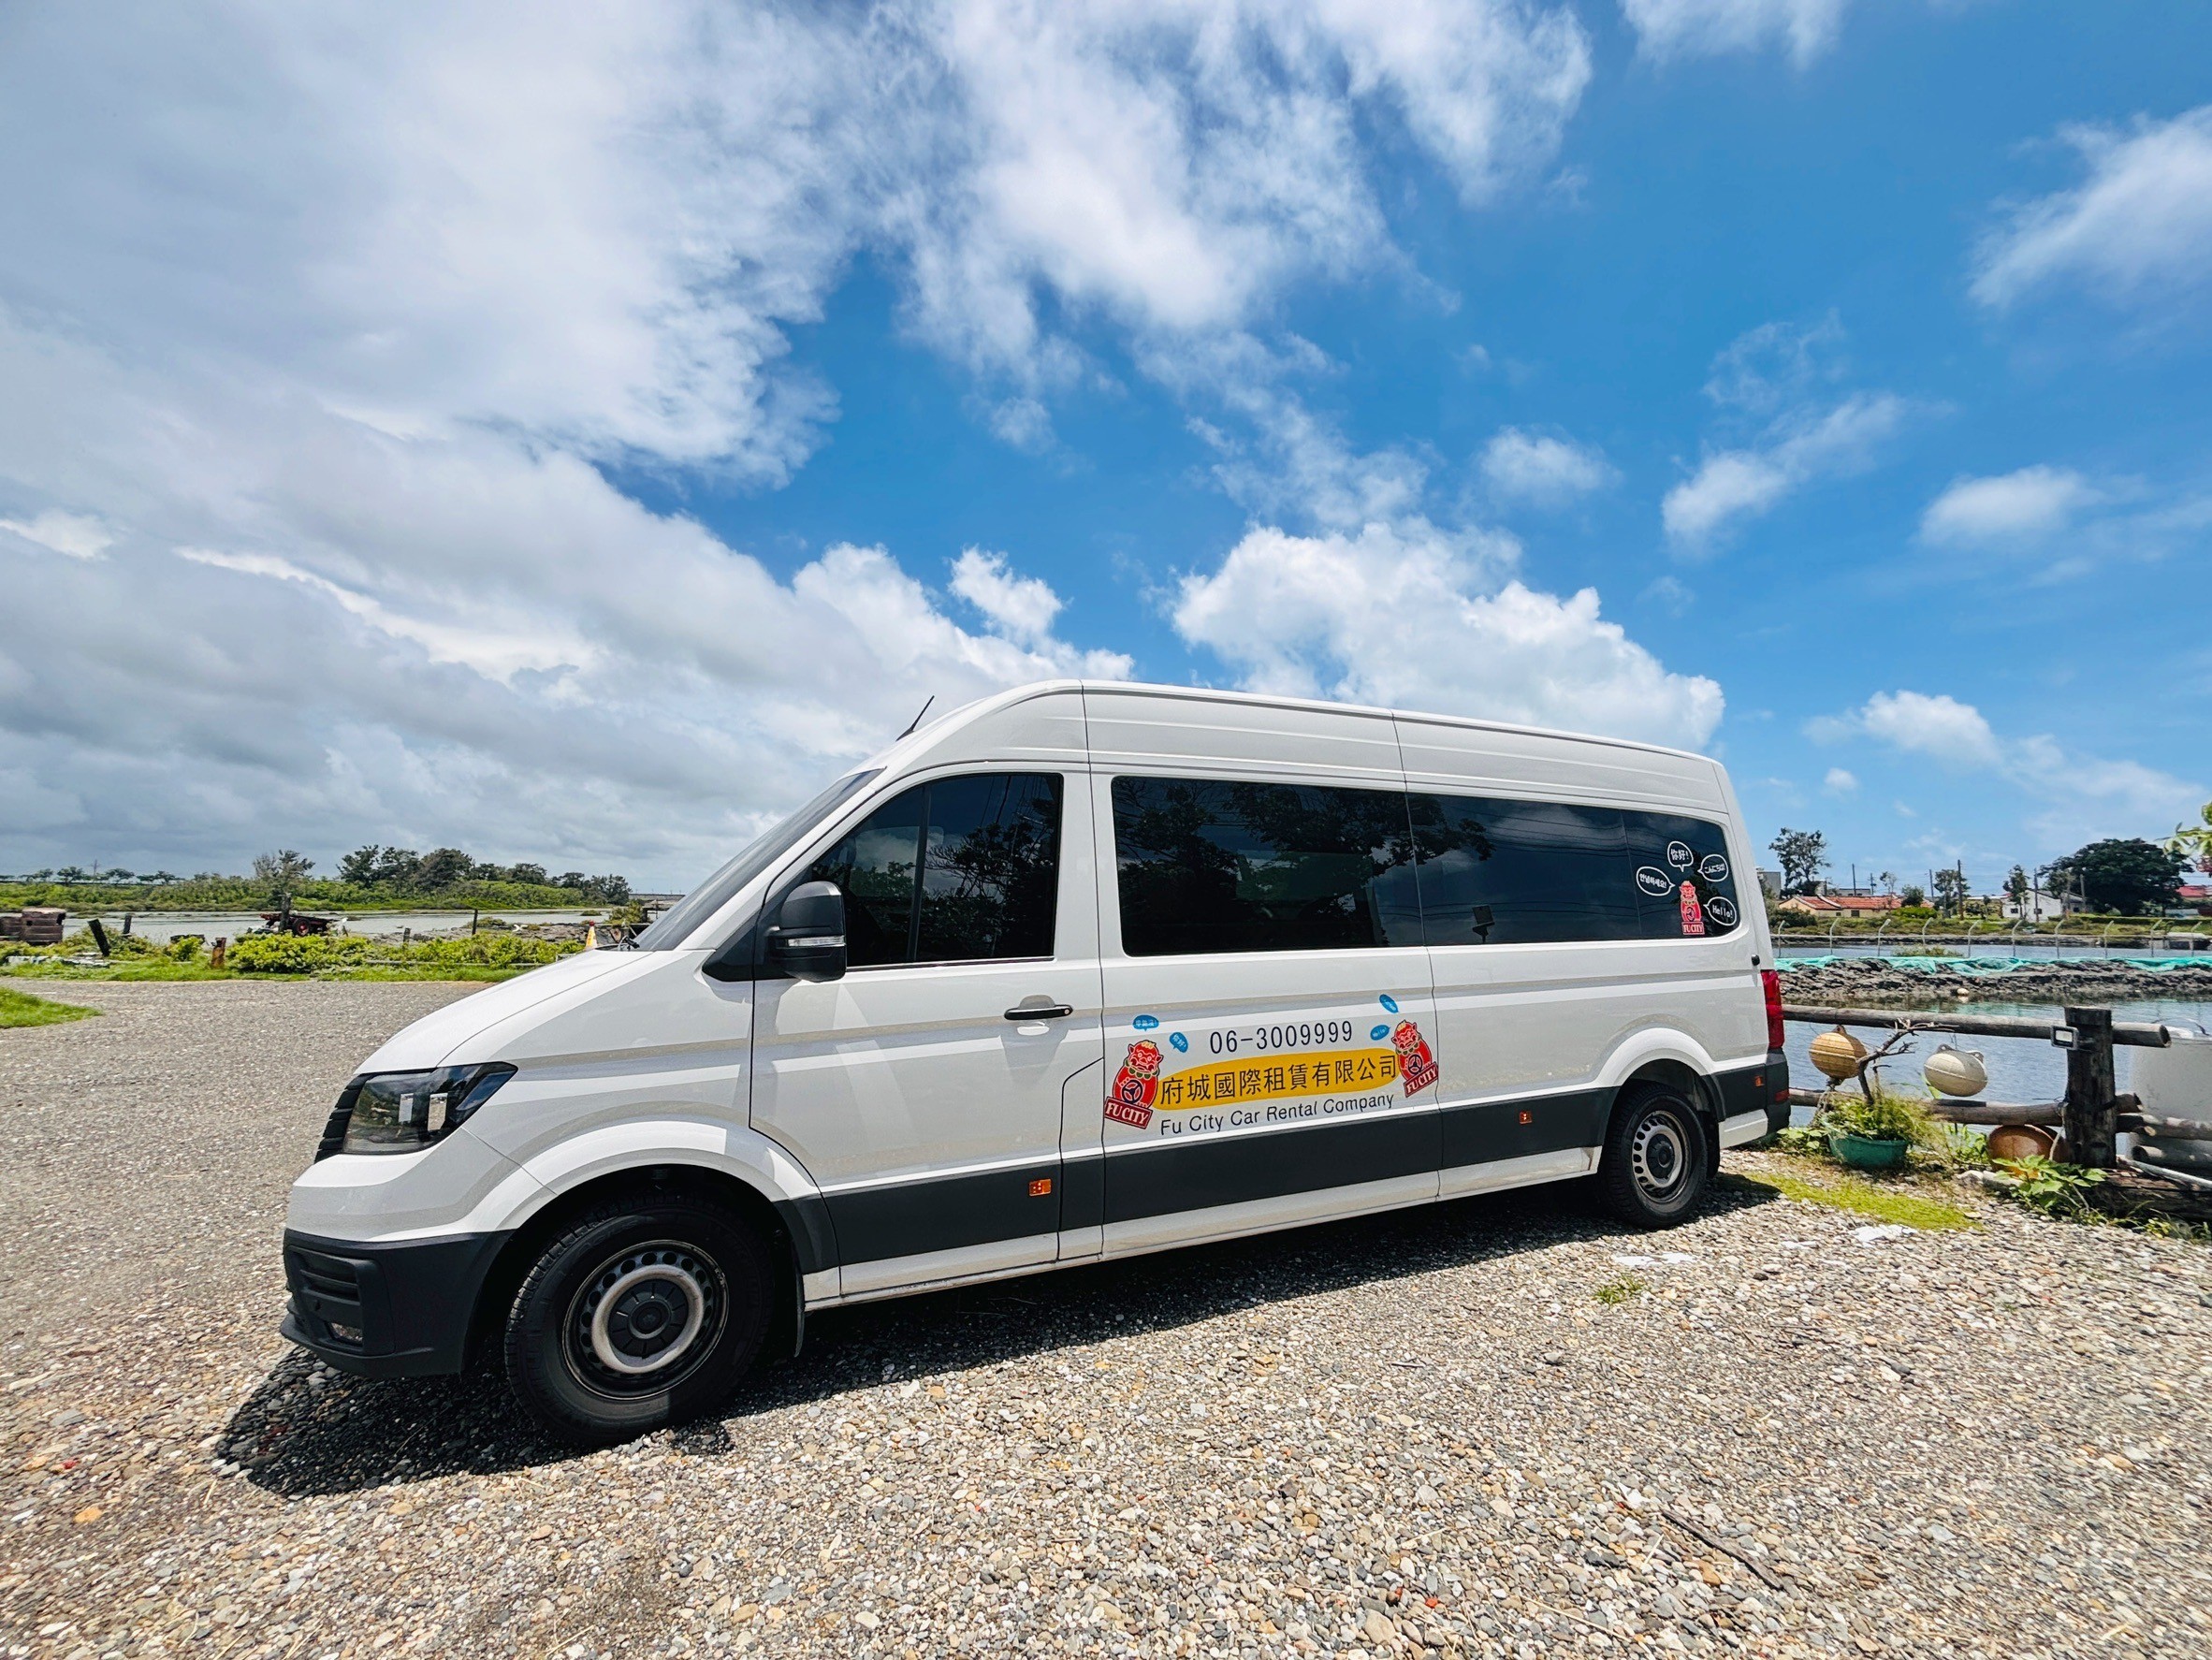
(917, 720)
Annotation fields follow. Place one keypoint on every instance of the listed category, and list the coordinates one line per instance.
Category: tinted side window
(1673, 854)
(957, 870)
(1214, 865)
(876, 865)
(990, 869)
(1501, 872)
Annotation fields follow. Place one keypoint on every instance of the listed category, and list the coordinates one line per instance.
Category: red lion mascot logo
(1136, 1085)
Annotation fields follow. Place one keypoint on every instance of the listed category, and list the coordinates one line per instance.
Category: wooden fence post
(2092, 1113)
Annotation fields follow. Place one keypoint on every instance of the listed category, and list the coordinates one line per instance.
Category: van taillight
(1771, 983)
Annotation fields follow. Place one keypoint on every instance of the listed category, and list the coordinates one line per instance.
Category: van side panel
(1534, 1037)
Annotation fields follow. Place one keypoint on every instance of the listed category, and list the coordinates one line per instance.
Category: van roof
(1035, 689)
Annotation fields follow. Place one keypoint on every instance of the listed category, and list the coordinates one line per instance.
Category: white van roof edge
(991, 703)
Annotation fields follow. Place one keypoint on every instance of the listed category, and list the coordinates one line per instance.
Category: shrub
(297, 954)
(1885, 1118)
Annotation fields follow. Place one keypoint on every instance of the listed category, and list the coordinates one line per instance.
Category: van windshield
(677, 923)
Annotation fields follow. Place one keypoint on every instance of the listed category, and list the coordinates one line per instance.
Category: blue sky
(570, 447)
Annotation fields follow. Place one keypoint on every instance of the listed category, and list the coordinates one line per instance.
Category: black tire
(1658, 1159)
(624, 1283)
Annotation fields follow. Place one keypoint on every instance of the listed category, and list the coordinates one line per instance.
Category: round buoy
(1955, 1071)
(1837, 1053)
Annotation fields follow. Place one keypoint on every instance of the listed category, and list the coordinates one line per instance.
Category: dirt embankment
(1868, 981)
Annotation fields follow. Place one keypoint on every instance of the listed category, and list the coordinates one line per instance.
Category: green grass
(1864, 1198)
(157, 969)
(17, 1008)
(1616, 1291)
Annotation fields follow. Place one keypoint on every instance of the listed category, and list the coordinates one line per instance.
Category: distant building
(2037, 908)
(1770, 884)
(1825, 905)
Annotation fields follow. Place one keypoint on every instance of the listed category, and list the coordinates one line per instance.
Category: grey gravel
(1418, 1434)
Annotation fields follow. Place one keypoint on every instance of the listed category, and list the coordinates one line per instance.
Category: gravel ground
(1423, 1433)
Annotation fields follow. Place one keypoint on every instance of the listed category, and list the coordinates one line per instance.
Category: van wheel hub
(1660, 1155)
(644, 1317)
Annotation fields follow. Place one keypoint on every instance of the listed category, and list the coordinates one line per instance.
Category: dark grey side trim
(813, 1242)
(1201, 1173)
(1485, 1131)
(948, 1214)
(1162, 1178)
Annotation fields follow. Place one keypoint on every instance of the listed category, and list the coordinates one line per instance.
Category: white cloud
(79, 535)
(2136, 231)
(1543, 471)
(1735, 484)
(1702, 28)
(2015, 506)
(1412, 615)
(1840, 781)
(2079, 797)
(356, 305)
(1022, 606)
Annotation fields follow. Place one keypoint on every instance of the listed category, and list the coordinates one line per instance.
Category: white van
(1077, 971)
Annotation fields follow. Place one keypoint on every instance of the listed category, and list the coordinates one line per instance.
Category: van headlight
(406, 1112)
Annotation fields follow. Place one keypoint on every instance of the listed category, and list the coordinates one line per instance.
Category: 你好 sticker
(1680, 856)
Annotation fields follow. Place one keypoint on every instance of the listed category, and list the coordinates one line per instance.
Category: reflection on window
(1500, 872)
(957, 870)
(1214, 865)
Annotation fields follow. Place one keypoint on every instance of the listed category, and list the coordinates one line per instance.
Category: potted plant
(1876, 1132)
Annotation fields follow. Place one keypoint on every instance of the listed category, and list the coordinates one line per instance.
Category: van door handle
(1040, 1011)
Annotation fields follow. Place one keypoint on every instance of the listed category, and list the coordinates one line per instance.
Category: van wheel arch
(487, 1320)
(1701, 1091)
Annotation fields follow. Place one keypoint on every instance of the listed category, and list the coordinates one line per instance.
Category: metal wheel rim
(617, 1340)
(1659, 1155)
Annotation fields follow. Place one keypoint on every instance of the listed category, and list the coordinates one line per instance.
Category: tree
(534, 874)
(1913, 894)
(1950, 888)
(158, 876)
(2016, 886)
(2194, 841)
(120, 874)
(2124, 876)
(360, 866)
(441, 867)
(280, 872)
(1804, 854)
(70, 873)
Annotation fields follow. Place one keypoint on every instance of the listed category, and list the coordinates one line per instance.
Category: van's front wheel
(1656, 1162)
(643, 1312)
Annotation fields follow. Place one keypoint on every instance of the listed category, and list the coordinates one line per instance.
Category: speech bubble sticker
(1713, 867)
(1389, 1002)
(1379, 1033)
(1178, 1042)
(1680, 856)
(1147, 1022)
(1722, 910)
(1653, 880)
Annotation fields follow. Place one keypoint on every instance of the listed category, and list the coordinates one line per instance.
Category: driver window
(959, 869)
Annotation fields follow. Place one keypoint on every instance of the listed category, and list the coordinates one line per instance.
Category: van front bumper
(398, 1310)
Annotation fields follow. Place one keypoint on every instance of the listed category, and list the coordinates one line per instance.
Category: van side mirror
(808, 940)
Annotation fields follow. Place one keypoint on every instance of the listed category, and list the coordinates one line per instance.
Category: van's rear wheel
(643, 1312)
(1657, 1160)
